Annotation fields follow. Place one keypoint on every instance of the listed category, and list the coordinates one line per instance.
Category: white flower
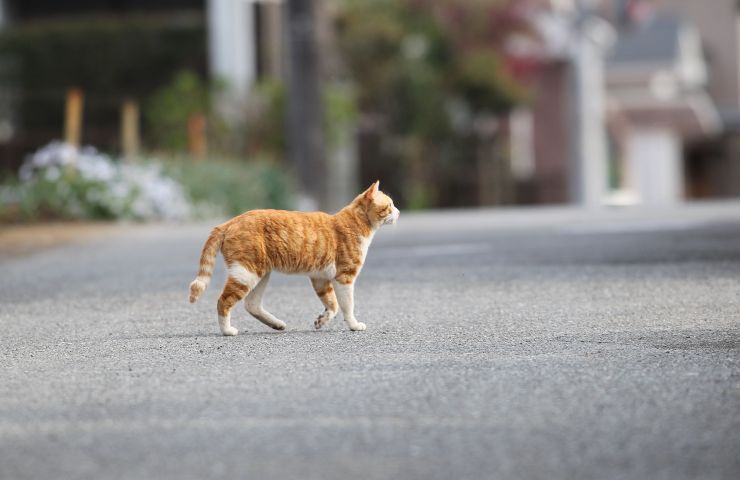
(52, 174)
(116, 187)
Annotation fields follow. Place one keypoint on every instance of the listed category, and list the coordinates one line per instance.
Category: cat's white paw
(279, 325)
(230, 331)
(358, 327)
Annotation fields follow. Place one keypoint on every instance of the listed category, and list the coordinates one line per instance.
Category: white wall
(654, 161)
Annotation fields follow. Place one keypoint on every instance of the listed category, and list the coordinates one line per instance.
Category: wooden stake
(130, 134)
(197, 142)
(73, 117)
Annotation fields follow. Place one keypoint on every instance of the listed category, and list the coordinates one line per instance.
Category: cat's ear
(372, 191)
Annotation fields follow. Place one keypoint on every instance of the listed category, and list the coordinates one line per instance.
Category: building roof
(654, 41)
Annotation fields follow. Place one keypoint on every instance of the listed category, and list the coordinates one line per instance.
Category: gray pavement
(515, 344)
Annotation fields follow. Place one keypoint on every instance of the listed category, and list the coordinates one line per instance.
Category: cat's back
(290, 241)
(280, 220)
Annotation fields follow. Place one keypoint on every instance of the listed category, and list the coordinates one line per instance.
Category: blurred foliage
(340, 111)
(265, 120)
(110, 58)
(70, 196)
(413, 51)
(265, 117)
(230, 187)
(215, 187)
(170, 108)
(425, 70)
(61, 182)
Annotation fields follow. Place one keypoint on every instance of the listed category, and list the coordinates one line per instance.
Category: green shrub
(230, 187)
(169, 109)
(71, 196)
(60, 181)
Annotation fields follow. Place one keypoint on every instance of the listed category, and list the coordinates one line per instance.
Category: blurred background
(164, 109)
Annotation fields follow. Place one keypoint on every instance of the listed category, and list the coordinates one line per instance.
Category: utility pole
(589, 152)
(304, 116)
(231, 52)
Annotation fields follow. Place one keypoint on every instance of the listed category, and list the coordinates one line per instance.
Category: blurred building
(712, 163)
(658, 104)
(672, 90)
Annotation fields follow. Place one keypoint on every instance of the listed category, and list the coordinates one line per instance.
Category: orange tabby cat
(329, 249)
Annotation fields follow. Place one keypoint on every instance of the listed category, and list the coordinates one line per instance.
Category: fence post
(73, 117)
(197, 142)
(130, 134)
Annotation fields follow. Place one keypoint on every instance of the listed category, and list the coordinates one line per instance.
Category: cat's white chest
(365, 245)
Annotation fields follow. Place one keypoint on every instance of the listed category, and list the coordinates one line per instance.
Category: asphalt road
(522, 344)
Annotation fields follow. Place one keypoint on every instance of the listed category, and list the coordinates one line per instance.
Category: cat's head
(378, 206)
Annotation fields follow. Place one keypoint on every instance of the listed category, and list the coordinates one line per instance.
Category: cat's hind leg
(255, 308)
(232, 293)
(326, 294)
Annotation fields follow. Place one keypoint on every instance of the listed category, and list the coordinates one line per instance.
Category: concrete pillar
(522, 144)
(589, 157)
(655, 166)
(232, 45)
(589, 168)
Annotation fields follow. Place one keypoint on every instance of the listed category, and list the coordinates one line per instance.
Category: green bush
(60, 182)
(169, 109)
(230, 187)
(70, 196)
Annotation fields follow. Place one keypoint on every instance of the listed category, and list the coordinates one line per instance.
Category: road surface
(517, 344)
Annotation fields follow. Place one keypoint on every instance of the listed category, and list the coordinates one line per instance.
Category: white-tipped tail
(207, 259)
(197, 287)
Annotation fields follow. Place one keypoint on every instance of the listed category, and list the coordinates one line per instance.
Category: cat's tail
(207, 260)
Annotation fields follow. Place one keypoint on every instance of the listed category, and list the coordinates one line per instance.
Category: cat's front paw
(230, 331)
(358, 327)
